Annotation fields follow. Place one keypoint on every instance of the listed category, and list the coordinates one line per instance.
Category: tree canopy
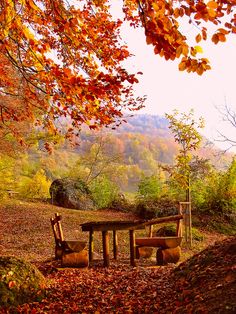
(63, 59)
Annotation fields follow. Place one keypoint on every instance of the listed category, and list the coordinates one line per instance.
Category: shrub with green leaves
(150, 188)
(104, 191)
(216, 194)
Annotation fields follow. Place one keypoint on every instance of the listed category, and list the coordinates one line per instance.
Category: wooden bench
(168, 247)
(72, 253)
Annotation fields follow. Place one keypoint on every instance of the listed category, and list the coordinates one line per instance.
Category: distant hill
(146, 138)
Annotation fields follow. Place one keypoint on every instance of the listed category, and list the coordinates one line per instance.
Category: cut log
(144, 252)
(163, 242)
(165, 256)
(75, 259)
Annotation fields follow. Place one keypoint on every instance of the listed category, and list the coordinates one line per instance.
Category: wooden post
(190, 224)
(105, 245)
(132, 247)
(185, 210)
(115, 244)
(150, 231)
(91, 245)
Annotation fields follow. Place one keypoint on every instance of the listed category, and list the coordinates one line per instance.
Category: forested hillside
(145, 138)
(123, 155)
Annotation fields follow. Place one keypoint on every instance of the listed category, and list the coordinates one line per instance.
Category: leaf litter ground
(205, 283)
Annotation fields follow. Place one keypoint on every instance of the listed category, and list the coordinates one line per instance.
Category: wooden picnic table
(114, 226)
(131, 226)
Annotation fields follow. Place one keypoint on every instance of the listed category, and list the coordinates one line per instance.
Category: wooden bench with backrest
(168, 247)
(71, 252)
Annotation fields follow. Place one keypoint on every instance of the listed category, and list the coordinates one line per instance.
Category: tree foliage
(185, 130)
(66, 57)
(68, 63)
(163, 21)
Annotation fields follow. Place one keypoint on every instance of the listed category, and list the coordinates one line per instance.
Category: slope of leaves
(203, 284)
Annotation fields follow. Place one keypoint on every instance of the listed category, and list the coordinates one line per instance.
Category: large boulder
(71, 193)
(20, 282)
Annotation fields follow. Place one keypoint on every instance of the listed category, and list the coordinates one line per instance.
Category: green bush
(104, 192)
(150, 187)
(20, 282)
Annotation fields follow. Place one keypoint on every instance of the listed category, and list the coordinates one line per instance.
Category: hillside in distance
(146, 139)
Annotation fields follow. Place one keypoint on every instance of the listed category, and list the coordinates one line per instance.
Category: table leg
(105, 244)
(91, 245)
(115, 244)
(132, 247)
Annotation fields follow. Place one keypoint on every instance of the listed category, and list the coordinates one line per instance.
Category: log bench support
(72, 253)
(168, 248)
(168, 251)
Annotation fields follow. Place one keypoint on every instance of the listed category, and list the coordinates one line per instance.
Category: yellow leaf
(212, 12)
(28, 34)
(198, 49)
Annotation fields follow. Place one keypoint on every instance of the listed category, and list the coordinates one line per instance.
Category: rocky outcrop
(71, 193)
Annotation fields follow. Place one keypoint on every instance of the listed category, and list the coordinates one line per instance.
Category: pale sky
(167, 88)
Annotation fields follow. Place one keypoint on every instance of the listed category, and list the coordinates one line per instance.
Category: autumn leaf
(11, 284)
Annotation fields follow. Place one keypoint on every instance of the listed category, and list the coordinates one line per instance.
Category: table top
(110, 225)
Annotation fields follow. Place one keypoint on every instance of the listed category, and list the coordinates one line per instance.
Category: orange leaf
(179, 51)
(182, 66)
(148, 40)
(11, 284)
(221, 37)
(176, 13)
(215, 38)
(212, 4)
(223, 31)
(198, 38)
(204, 34)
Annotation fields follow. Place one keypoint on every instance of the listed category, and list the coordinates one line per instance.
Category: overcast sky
(167, 88)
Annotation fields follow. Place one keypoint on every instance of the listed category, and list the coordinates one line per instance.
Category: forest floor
(204, 281)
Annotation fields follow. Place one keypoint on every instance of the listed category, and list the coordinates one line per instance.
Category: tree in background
(229, 116)
(104, 191)
(35, 187)
(184, 128)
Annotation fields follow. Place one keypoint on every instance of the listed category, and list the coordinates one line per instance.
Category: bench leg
(115, 244)
(105, 244)
(132, 248)
(91, 245)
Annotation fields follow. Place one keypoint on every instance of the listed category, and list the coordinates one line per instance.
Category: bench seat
(162, 242)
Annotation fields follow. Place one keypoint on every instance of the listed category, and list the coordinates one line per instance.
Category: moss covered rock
(20, 282)
(71, 193)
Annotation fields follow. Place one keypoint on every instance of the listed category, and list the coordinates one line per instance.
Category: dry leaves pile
(206, 283)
